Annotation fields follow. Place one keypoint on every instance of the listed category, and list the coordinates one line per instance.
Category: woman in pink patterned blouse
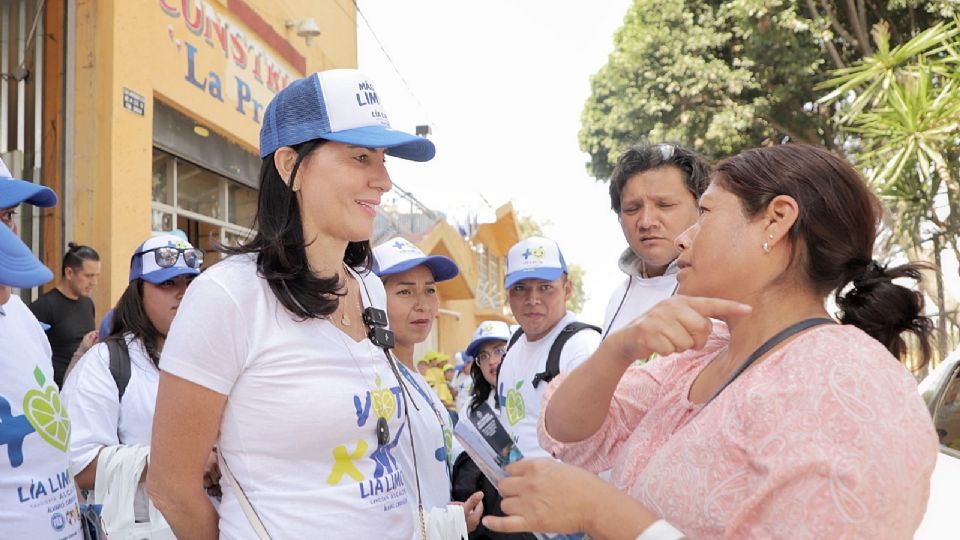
(821, 435)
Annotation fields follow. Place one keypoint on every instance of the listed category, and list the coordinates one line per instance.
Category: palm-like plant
(900, 109)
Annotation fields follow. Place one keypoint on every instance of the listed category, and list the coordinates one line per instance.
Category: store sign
(244, 74)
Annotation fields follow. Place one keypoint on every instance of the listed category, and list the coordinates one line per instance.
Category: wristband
(660, 530)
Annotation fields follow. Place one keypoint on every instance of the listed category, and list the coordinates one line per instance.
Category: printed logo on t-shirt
(43, 413)
(512, 403)
(386, 485)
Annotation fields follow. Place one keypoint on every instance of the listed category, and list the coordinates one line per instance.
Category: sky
(502, 85)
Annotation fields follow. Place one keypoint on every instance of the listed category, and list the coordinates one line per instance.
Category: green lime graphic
(46, 414)
(515, 408)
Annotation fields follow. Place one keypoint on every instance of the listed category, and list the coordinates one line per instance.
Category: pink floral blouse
(827, 437)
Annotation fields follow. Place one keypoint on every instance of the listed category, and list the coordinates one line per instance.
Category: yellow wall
(146, 46)
(454, 333)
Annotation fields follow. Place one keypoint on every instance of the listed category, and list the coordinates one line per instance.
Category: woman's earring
(295, 185)
(766, 245)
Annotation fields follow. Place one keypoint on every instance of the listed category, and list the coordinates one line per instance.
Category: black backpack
(553, 357)
(119, 364)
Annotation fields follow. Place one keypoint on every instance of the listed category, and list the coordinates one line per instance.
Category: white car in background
(941, 390)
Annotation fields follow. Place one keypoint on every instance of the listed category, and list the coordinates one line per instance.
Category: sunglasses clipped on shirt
(167, 256)
(485, 356)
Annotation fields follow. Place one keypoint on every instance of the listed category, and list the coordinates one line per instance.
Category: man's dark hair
(75, 256)
(646, 157)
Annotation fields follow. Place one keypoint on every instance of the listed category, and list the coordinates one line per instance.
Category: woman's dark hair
(481, 388)
(130, 316)
(75, 256)
(833, 237)
(646, 157)
(282, 251)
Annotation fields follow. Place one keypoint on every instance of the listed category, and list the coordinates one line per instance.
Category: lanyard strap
(782, 335)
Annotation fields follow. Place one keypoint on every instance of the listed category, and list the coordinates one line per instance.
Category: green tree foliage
(723, 76)
(530, 227)
(901, 108)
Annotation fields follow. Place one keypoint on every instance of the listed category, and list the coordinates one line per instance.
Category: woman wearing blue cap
(271, 356)
(34, 428)
(410, 279)
(106, 411)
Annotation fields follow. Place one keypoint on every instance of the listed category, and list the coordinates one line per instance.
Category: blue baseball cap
(398, 255)
(14, 191)
(18, 266)
(534, 258)
(144, 265)
(337, 105)
(486, 332)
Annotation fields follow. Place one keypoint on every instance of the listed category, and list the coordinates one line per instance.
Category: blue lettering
(216, 86)
(362, 412)
(398, 397)
(191, 68)
(243, 94)
(257, 107)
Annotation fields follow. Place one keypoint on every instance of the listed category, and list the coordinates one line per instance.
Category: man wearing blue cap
(37, 495)
(538, 289)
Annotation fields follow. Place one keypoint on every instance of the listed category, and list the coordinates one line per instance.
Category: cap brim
(165, 274)
(14, 191)
(546, 274)
(398, 143)
(474, 348)
(442, 268)
(18, 266)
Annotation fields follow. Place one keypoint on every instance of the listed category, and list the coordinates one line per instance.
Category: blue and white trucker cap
(14, 191)
(18, 266)
(399, 255)
(534, 258)
(338, 105)
(143, 263)
(487, 331)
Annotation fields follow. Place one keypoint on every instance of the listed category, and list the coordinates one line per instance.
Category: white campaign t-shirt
(637, 295)
(99, 417)
(431, 443)
(299, 427)
(38, 499)
(519, 400)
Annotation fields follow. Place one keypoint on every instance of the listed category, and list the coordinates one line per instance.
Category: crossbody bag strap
(248, 510)
(779, 338)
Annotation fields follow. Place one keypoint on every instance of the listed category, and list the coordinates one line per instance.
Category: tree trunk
(941, 302)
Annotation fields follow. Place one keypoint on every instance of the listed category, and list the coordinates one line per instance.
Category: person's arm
(580, 404)
(90, 397)
(185, 428)
(546, 496)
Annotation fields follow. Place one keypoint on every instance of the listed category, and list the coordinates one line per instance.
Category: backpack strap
(553, 357)
(513, 339)
(119, 364)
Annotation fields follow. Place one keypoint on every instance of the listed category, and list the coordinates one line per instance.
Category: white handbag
(119, 469)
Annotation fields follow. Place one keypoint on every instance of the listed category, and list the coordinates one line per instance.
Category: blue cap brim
(474, 347)
(398, 143)
(164, 274)
(14, 191)
(546, 274)
(442, 268)
(18, 266)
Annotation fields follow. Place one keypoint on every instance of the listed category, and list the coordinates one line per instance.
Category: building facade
(144, 116)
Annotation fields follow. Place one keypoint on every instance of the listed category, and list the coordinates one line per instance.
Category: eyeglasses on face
(167, 256)
(485, 356)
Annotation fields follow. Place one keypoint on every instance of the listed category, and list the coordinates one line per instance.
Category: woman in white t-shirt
(271, 356)
(410, 279)
(160, 271)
